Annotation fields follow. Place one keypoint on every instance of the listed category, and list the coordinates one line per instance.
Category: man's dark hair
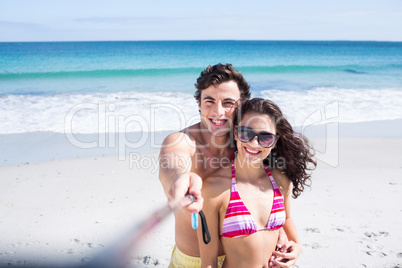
(217, 74)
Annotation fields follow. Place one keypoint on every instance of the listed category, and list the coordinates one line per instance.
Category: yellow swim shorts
(181, 260)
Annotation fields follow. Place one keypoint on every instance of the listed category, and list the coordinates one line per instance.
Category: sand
(59, 204)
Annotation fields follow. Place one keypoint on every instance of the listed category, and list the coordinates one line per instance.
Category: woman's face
(255, 123)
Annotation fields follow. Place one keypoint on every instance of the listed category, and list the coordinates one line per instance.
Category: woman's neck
(248, 170)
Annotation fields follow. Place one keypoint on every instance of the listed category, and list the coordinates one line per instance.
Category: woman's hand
(286, 257)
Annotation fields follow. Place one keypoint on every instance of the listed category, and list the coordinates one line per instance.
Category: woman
(247, 204)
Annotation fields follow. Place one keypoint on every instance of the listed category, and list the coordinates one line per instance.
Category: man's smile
(218, 122)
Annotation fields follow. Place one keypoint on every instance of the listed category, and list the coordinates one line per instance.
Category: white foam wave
(321, 105)
(142, 111)
(97, 113)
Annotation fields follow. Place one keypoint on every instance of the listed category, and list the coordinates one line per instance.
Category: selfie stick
(118, 255)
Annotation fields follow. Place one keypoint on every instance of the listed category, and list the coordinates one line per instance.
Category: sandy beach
(61, 204)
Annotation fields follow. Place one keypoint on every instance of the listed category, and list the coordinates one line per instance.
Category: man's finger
(282, 239)
(284, 255)
(278, 254)
(270, 262)
(195, 189)
(182, 186)
(195, 183)
(273, 265)
(280, 262)
(288, 246)
(196, 206)
(285, 263)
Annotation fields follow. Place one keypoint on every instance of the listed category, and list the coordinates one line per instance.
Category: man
(195, 153)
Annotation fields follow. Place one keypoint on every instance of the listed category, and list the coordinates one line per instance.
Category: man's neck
(218, 143)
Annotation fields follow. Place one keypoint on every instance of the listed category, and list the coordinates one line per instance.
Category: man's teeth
(218, 121)
(252, 151)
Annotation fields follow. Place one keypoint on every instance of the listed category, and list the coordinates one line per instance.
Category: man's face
(217, 106)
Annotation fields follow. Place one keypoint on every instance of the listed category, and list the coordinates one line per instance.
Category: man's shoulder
(178, 141)
(190, 133)
(193, 131)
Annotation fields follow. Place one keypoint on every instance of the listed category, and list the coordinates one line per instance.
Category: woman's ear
(235, 132)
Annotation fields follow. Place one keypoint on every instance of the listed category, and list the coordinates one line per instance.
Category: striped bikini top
(238, 220)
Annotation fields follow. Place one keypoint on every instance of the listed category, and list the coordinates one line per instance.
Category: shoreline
(36, 147)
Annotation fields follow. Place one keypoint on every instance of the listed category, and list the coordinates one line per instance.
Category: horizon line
(203, 40)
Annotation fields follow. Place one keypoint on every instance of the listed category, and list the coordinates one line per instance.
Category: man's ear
(199, 107)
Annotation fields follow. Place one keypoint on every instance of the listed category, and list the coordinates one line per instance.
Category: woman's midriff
(250, 251)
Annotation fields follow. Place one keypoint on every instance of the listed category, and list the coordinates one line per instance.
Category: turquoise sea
(91, 87)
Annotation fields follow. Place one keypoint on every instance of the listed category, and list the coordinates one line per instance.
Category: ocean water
(98, 87)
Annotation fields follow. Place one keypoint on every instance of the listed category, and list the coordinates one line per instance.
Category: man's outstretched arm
(175, 162)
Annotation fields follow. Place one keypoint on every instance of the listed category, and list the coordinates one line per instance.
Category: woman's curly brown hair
(291, 146)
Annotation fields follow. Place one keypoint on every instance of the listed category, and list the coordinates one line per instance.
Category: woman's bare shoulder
(282, 180)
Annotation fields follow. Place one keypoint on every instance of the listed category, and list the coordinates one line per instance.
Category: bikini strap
(271, 178)
(233, 168)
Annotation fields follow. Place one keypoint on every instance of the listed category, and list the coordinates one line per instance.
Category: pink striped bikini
(239, 221)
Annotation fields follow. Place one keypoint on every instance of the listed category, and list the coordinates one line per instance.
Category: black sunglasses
(265, 139)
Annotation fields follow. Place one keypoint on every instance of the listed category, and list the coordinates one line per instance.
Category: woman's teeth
(251, 151)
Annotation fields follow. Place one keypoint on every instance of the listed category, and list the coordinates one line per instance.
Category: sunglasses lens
(267, 140)
(245, 134)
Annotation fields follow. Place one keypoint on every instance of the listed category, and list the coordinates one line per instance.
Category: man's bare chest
(205, 163)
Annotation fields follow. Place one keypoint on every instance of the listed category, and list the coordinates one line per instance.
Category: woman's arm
(289, 252)
(289, 227)
(209, 252)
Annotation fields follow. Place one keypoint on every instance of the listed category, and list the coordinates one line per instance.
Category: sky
(90, 20)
